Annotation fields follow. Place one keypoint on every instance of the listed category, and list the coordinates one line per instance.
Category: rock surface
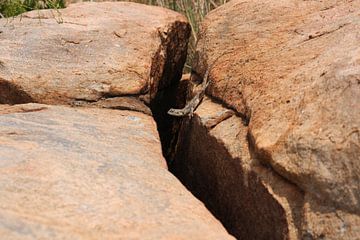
(248, 198)
(75, 173)
(290, 70)
(90, 51)
(67, 2)
(86, 172)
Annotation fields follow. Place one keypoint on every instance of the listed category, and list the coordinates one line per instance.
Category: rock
(213, 160)
(67, 2)
(121, 103)
(290, 70)
(88, 173)
(91, 51)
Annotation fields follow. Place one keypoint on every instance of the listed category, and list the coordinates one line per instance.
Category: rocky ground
(272, 151)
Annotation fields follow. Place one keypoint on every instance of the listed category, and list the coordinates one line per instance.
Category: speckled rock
(76, 173)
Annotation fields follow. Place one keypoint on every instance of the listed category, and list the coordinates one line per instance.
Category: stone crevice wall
(166, 72)
(247, 196)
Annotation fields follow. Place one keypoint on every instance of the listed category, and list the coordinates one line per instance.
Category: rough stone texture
(92, 173)
(90, 51)
(67, 2)
(213, 160)
(120, 103)
(290, 70)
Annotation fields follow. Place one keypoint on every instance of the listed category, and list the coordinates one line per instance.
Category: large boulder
(77, 173)
(91, 51)
(290, 71)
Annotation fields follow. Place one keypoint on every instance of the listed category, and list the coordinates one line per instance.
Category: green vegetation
(10, 8)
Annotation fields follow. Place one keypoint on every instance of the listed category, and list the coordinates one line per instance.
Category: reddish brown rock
(92, 173)
(90, 51)
(290, 70)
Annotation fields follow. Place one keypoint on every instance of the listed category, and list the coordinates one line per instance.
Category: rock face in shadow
(214, 161)
(90, 51)
(290, 72)
(70, 173)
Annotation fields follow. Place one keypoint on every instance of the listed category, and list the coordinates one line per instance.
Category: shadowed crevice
(166, 72)
(12, 94)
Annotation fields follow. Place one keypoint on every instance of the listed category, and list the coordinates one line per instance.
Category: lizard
(191, 106)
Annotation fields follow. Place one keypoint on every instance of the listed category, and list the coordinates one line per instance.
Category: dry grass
(194, 10)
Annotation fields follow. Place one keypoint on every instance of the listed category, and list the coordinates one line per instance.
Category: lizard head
(174, 112)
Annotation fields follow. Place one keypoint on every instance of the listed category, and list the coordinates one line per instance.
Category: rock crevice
(298, 150)
(216, 162)
(71, 172)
